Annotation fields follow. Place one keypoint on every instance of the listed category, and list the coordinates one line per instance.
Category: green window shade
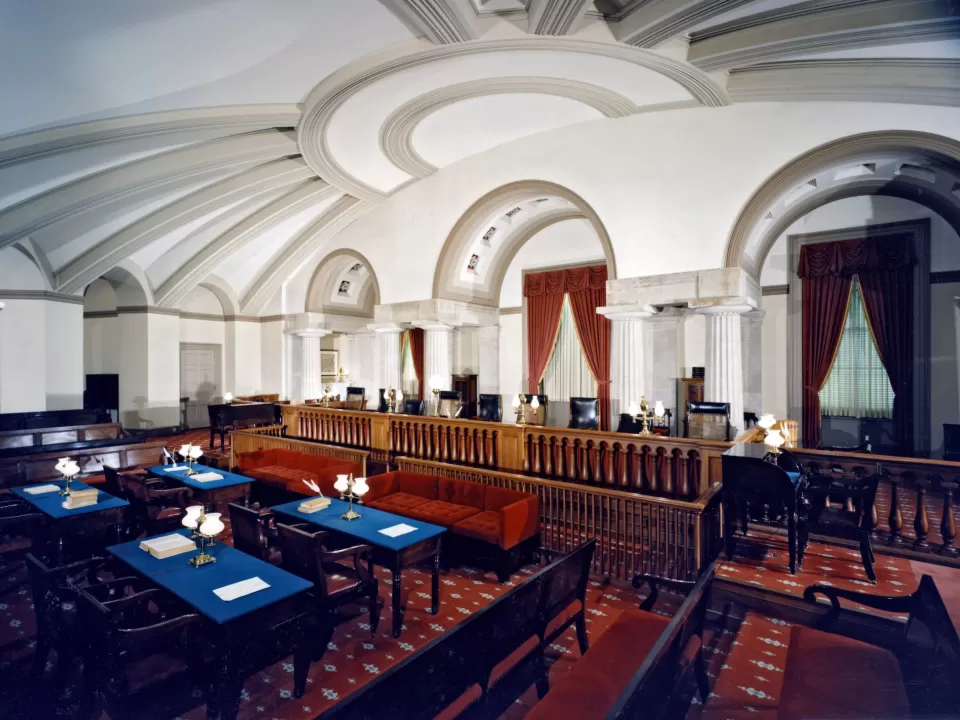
(858, 384)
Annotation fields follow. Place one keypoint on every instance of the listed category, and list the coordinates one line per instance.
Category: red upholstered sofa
(493, 521)
(281, 469)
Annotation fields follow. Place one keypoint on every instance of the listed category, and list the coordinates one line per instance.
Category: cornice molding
(326, 98)
(146, 309)
(555, 17)
(27, 146)
(887, 80)
(396, 133)
(648, 24)
(93, 263)
(437, 20)
(172, 169)
(333, 220)
(511, 310)
(192, 272)
(775, 290)
(831, 154)
(44, 295)
(819, 26)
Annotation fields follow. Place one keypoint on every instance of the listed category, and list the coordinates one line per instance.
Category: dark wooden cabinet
(466, 385)
(688, 390)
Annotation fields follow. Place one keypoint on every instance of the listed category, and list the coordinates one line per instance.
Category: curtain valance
(558, 282)
(852, 257)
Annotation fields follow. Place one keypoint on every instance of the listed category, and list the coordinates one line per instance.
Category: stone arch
(767, 215)
(224, 293)
(362, 295)
(130, 284)
(565, 205)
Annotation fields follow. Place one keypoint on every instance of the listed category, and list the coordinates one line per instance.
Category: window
(858, 384)
(568, 374)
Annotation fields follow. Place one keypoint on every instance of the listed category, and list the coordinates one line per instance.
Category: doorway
(199, 381)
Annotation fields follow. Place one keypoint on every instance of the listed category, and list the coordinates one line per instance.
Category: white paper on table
(41, 489)
(175, 468)
(207, 476)
(397, 530)
(239, 589)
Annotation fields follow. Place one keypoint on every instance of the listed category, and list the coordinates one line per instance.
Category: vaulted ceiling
(234, 139)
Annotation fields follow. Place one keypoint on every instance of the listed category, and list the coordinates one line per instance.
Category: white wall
(511, 360)
(272, 357)
(23, 344)
(466, 351)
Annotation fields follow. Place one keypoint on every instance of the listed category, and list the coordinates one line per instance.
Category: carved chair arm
(654, 581)
(878, 602)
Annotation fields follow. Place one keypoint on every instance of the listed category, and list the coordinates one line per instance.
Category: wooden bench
(606, 682)
(485, 663)
(52, 418)
(827, 674)
(65, 439)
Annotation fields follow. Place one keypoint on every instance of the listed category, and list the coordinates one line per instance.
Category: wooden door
(199, 381)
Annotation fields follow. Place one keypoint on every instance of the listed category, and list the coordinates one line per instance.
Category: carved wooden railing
(915, 504)
(682, 468)
(635, 532)
(267, 438)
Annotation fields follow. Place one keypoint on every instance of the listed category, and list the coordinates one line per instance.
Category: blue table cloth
(195, 585)
(229, 479)
(367, 527)
(794, 477)
(51, 503)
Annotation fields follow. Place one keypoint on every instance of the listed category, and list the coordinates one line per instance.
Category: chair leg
(700, 673)
(866, 552)
(301, 667)
(374, 611)
(543, 680)
(582, 632)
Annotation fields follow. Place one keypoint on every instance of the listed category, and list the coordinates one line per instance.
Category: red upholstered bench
(286, 470)
(491, 517)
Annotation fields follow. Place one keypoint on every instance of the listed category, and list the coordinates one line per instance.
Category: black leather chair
(490, 408)
(584, 413)
(951, 442)
(413, 407)
(628, 425)
(382, 405)
(707, 420)
(254, 532)
(450, 404)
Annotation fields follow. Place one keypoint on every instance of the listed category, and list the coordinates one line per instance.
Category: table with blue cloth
(238, 627)
(231, 488)
(393, 553)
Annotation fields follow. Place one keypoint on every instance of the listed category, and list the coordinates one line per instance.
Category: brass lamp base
(202, 559)
(350, 515)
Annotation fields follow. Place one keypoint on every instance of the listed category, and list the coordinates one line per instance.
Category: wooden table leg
(435, 581)
(397, 608)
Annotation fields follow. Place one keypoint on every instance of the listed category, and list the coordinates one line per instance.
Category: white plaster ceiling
(471, 126)
(745, 10)
(933, 49)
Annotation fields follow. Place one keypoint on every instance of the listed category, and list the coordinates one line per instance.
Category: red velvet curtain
(587, 287)
(415, 336)
(884, 267)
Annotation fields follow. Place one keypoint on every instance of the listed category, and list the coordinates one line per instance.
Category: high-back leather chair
(382, 404)
(707, 420)
(584, 413)
(356, 398)
(538, 416)
(490, 408)
(253, 532)
(450, 404)
(413, 407)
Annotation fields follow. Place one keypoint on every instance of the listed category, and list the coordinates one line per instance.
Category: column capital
(433, 325)
(385, 328)
(627, 312)
(727, 306)
(312, 333)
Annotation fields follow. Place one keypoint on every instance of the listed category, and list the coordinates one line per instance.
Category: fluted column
(626, 362)
(388, 357)
(724, 370)
(347, 346)
(438, 360)
(311, 384)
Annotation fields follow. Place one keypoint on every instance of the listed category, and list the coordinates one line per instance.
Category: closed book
(311, 506)
(168, 546)
(81, 498)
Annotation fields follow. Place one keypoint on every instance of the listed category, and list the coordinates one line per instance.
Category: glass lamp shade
(61, 464)
(196, 452)
(192, 516)
(341, 485)
(658, 409)
(774, 439)
(212, 526)
(535, 403)
(72, 469)
(399, 398)
(228, 397)
(185, 450)
(634, 409)
(766, 421)
(516, 402)
(360, 486)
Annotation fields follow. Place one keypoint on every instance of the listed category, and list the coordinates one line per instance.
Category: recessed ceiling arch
(765, 213)
(326, 292)
(509, 202)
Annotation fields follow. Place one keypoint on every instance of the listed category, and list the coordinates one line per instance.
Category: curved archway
(912, 165)
(495, 227)
(130, 284)
(344, 283)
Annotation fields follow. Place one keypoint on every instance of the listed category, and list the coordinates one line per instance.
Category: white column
(347, 345)
(489, 365)
(752, 328)
(724, 370)
(626, 362)
(438, 357)
(2, 306)
(312, 387)
(388, 358)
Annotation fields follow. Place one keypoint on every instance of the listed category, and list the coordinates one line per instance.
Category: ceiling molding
(888, 80)
(86, 268)
(333, 220)
(819, 26)
(806, 166)
(326, 98)
(44, 295)
(396, 133)
(649, 24)
(170, 170)
(27, 146)
(555, 17)
(39, 258)
(437, 20)
(202, 263)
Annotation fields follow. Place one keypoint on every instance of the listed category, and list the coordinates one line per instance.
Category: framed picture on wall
(329, 364)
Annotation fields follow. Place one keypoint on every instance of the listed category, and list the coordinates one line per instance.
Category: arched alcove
(344, 283)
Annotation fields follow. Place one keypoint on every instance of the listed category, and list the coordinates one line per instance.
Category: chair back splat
(490, 408)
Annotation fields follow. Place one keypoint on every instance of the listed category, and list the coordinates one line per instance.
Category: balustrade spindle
(596, 461)
(663, 469)
(921, 522)
(680, 471)
(895, 519)
(482, 438)
(948, 524)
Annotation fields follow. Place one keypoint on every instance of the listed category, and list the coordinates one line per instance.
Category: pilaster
(627, 361)
(724, 357)
(387, 356)
(438, 358)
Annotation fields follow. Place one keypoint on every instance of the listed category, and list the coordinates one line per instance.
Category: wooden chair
(564, 600)
(538, 416)
(254, 532)
(451, 405)
(708, 421)
(306, 554)
(413, 407)
(18, 519)
(356, 398)
(852, 519)
(125, 621)
(156, 506)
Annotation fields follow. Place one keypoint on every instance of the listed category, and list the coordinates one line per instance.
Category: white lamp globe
(196, 452)
(516, 401)
(633, 409)
(185, 450)
(535, 403)
(71, 469)
(191, 516)
(61, 464)
(658, 409)
(228, 397)
(774, 439)
(360, 486)
(212, 526)
(766, 421)
(341, 484)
